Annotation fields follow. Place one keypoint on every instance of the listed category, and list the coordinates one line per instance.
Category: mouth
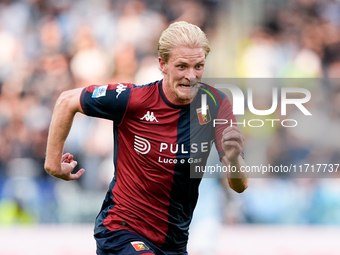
(188, 85)
(185, 85)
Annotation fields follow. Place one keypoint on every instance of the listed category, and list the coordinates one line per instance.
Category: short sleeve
(108, 101)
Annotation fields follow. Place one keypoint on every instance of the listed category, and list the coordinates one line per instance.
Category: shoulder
(144, 91)
(118, 89)
(148, 85)
(215, 94)
(146, 88)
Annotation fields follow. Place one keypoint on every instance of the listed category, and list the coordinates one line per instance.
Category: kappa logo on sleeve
(139, 246)
(120, 88)
(99, 91)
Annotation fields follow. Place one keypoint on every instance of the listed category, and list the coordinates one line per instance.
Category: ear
(163, 65)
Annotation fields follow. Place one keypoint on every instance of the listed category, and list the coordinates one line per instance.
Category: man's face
(184, 65)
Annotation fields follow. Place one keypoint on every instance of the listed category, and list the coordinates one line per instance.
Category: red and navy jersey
(155, 143)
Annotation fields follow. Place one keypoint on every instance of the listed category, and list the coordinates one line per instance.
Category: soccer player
(160, 133)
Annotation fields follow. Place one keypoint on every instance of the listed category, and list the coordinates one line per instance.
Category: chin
(184, 98)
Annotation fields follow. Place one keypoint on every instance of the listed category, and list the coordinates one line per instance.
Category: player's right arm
(57, 164)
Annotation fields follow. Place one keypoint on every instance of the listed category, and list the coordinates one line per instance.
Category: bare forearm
(59, 129)
(237, 180)
(63, 114)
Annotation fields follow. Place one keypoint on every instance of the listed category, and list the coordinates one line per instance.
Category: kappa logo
(149, 116)
(141, 145)
(120, 88)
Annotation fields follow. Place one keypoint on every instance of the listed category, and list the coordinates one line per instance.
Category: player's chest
(168, 132)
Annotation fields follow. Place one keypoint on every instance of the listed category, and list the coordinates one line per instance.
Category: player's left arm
(232, 145)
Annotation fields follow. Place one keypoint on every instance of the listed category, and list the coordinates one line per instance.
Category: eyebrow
(181, 62)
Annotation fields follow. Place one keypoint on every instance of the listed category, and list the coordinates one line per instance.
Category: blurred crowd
(47, 47)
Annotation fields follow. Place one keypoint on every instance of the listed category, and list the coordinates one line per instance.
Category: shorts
(124, 242)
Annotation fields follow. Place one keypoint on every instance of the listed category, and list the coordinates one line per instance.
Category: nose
(190, 74)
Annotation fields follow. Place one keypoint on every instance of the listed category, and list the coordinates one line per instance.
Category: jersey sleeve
(108, 101)
(225, 113)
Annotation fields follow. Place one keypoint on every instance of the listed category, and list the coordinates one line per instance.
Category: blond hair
(181, 34)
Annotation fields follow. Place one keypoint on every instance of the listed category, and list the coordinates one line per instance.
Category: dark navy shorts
(124, 242)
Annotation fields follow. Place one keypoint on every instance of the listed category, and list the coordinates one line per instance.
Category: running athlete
(160, 133)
